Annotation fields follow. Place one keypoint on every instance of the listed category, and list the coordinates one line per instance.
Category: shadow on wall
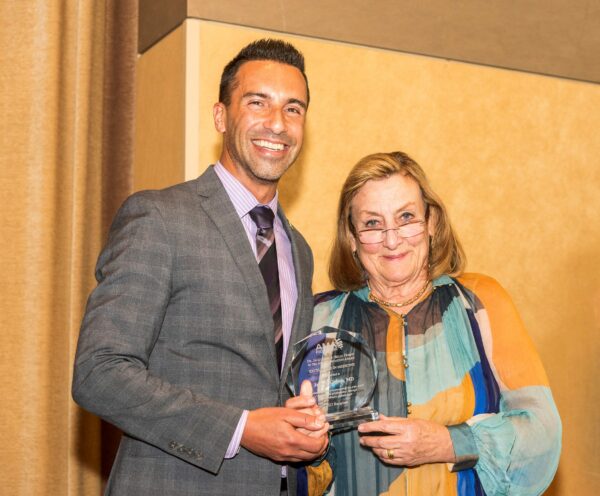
(110, 439)
(554, 489)
(88, 440)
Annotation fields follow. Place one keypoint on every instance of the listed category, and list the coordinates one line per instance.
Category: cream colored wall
(514, 156)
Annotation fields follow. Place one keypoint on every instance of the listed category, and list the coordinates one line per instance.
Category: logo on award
(329, 345)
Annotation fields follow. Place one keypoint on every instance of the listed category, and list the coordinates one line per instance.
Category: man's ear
(220, 117)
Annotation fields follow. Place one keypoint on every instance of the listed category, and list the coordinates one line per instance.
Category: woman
(465, 403)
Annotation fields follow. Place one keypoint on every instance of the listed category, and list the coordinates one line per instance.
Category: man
(198, 299)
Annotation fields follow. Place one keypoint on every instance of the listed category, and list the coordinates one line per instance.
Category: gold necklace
(416, 297)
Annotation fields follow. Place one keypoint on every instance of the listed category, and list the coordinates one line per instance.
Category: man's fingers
(273, 433)
(306, 421)
(309, 447)
(300, 402)
(304, 400)
(306, 389)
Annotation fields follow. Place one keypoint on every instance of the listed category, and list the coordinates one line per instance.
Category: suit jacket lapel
(218, 206)
(300, 286)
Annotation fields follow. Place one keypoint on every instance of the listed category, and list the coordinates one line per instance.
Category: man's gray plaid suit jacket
(178, 339)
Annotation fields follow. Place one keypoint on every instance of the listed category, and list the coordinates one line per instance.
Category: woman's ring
(390, 454)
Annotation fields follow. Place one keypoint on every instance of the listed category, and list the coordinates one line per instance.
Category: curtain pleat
(66, 133)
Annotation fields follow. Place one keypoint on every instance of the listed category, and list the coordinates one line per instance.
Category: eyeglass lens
(404, 231)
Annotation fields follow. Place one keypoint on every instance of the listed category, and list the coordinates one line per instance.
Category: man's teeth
(269, 145)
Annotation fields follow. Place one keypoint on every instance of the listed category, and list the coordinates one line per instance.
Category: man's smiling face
(263, 125)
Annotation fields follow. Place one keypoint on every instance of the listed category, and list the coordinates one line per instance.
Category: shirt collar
(243, 200)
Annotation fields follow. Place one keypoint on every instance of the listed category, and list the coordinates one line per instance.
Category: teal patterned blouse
(471, 367)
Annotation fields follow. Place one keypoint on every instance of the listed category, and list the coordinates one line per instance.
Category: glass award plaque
(342, 369)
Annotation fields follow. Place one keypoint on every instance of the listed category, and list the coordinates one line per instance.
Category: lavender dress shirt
(244, 201)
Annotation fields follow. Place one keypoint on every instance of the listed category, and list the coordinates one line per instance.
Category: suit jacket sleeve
(122, 324)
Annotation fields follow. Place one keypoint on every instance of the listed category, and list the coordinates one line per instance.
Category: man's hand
(275, 433)
(305, 403)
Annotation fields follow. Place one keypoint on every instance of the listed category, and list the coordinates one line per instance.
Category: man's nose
(275, 121)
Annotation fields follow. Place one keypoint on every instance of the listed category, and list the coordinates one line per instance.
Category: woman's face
(387, 204)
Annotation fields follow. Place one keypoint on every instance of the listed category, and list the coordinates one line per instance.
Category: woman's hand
(407, 442)
(305, 403)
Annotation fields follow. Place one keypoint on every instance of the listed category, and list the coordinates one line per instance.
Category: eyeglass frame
(398, 235)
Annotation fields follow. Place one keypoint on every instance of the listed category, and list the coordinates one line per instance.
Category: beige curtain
(66, 132)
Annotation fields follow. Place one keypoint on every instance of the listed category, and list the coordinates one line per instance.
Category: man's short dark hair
(265, 49)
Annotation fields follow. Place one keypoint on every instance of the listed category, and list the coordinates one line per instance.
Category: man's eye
(294, 110)
(256, 103)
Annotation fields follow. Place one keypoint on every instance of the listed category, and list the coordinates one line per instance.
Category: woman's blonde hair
(446, 255)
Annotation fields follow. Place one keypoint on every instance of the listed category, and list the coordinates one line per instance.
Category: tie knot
(262, 217)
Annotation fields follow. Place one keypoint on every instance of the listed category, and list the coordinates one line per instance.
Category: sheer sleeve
(517, 448)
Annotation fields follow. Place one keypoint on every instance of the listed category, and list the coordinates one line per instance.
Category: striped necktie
(266, 252)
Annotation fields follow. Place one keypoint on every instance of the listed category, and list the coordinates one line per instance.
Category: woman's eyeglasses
(374, 236)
